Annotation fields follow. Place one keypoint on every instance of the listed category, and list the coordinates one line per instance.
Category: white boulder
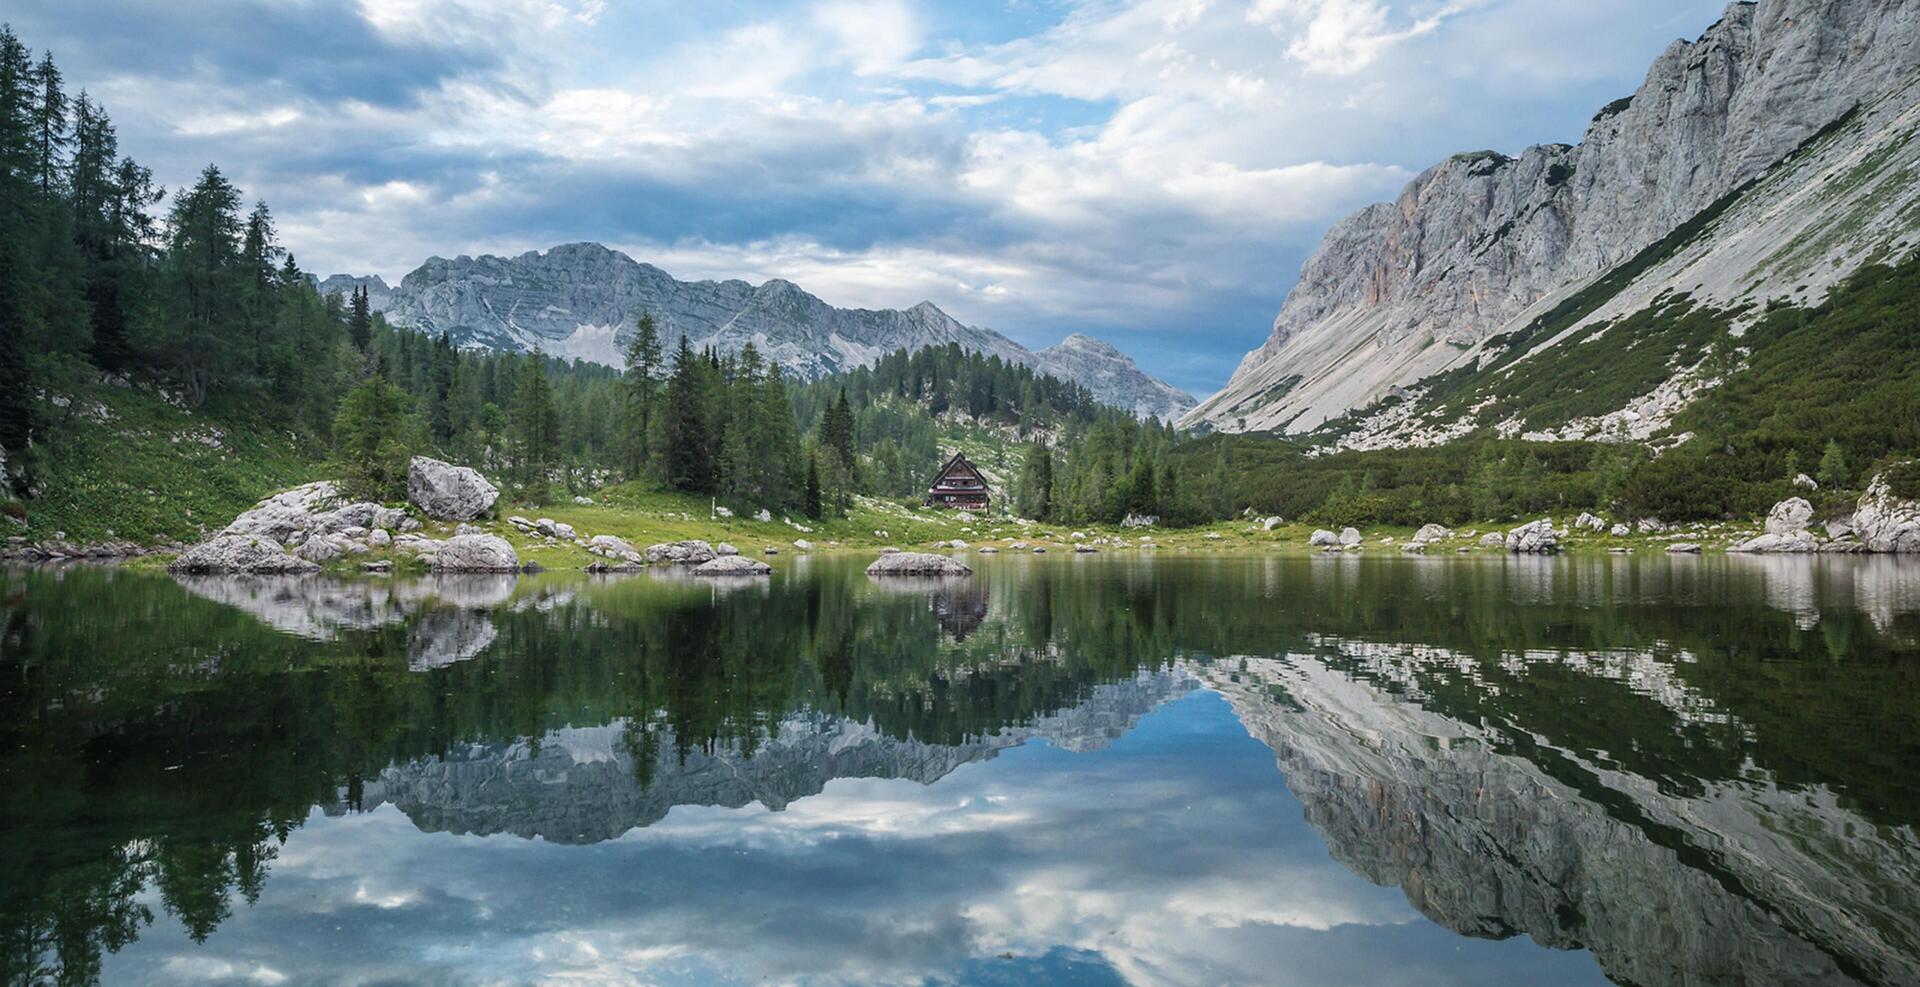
(474, 553)
(1349, 537)
(240, 553)
(1322, 537)
(1789, 517)
(1885, 522)
(732, 565)
(1533, 538)
(917, 564)
(446, 492)
(690, 552)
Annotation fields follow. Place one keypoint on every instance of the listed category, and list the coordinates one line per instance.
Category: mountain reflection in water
(1699, 770)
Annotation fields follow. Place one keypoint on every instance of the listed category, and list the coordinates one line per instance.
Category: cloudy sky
(1151, 171)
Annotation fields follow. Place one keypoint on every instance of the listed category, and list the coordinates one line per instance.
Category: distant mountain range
(581, 300)
(1766, 160)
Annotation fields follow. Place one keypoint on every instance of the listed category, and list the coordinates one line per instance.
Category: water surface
(1065, 770)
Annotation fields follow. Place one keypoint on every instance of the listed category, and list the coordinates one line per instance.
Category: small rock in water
(918, 564)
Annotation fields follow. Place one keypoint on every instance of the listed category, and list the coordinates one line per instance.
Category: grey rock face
(918, 564)
(1533, 538)
(581, 300)
(379, 294)
(448, 492)
(472, 553)
(1401, 290)
(1887, 523)
(1114, 378)
(240, 554)
(1789, 517)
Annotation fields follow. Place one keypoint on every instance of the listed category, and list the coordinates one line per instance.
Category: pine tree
(689, 443)
(810, 503)
(50, 137)
(642, 392)
(1834, 474)
(371, 448)
(360, 320)
(534, 429)
(203, 253)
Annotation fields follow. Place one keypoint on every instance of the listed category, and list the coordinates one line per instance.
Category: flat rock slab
(918, 564)
(732, 565)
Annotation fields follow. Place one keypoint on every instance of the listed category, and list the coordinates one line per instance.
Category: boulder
(379, 538)
(474, 553)
(1533, 538)
(1085, 549)
(610, 544)
(240, 553)
(918, 564)
(446, 492)
(564, 531)
(1139, 521)
(1799, 542)
(724, 549)
(1272, 522)
(690, 552)
(1620, 531)
(583, 501)
(1684, 548)
(732, 565)
(1789, 517)
(1493, 539)
(1805, 482)
(321, 549)
(1213, 536)
(989, 550)
(1885, 522)
(803, 544)
(1432, 533)
(762, 515)
(1349, 537)
(889, 550)
(1322, 538)
(1589, 522)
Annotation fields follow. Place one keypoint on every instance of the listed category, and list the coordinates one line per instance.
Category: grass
(124, 463)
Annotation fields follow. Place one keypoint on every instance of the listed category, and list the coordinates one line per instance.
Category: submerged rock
(447, 492)
(918, 564)
(732, 565)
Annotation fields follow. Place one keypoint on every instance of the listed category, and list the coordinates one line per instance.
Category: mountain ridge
(1482, 244)
(581, 299)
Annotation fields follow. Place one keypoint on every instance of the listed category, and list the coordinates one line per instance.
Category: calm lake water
(1062, 770)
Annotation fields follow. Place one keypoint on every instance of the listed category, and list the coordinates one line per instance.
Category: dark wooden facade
(959, 485)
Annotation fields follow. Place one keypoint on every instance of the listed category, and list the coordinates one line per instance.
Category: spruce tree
(810, 503)
(534, 429)
(689, 444)
(360, 320)
(642, 393)
(1834, 474)
(371, 448)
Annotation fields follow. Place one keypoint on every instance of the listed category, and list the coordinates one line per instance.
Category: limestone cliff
(1481, 243)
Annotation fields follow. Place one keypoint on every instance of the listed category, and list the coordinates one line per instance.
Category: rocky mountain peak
(581, 300)
(1400, 291)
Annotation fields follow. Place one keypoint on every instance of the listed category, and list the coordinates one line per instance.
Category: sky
(1153, 172)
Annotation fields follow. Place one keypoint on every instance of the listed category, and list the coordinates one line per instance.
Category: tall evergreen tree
(642, 393)
(689, 443)
(360, 320)
(534, 428)
(204, 278)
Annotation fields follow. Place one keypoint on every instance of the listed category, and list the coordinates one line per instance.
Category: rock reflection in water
(1496, 833)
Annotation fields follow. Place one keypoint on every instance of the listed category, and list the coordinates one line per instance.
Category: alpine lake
(1124, 768)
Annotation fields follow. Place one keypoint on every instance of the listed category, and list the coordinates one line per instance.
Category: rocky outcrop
(1786, 531)
(581, 300)
(1533, 538)
(250, 554)
(1481, 243)
(470, 553)
(447, 492)
(1886, 522)
(691, 552)
(1114, 378)
(918, 564)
